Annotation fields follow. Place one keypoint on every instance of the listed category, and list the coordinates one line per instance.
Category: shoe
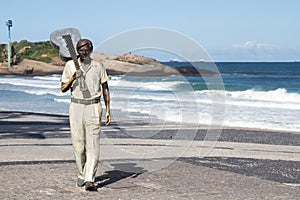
(80, 182)
(89, 186)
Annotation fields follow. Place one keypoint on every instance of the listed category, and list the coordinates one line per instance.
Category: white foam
(151, 86)
(37, 83)
(278, 98)
(62, 100)
(45, 92)
(55, 78)
(278, 95)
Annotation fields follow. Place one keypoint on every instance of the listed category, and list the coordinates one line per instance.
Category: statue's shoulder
(98, 63)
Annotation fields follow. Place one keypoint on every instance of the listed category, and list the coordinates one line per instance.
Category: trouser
(85, 123)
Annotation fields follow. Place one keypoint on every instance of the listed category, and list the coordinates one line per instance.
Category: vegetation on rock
(39, 51)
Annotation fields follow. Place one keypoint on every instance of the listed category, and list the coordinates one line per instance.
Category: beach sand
(147, 161)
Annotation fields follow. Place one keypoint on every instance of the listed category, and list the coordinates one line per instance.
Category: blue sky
(229, 30)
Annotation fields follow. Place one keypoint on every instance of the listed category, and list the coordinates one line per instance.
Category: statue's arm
(66, 86)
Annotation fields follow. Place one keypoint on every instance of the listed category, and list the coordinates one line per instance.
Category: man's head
(84, 48)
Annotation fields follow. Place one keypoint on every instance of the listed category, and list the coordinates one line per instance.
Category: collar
(87, 66)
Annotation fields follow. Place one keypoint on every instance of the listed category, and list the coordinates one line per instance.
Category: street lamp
(8, 24)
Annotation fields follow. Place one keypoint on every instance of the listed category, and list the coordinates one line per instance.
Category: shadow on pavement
(273, 170)
(120, 171)
(21, 126)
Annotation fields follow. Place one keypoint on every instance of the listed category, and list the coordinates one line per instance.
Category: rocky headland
(127, 64)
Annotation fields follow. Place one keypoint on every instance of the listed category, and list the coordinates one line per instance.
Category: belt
(85, 102)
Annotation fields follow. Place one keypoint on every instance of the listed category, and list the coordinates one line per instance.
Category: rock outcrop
(134, 65)
(31, 68)
(130, 65)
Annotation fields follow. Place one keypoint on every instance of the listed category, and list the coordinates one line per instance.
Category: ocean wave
(45, 92)
(151, 86)
(37, 92)
(54, 77)
(277, 105)
(30, 83)
(119, 77)
(62, 100)
(279, 98)
(278, 95)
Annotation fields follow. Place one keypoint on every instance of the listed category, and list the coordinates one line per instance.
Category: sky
(228, 30)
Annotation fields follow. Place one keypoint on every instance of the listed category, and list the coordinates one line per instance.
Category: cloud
(255, 51)
(253, 45)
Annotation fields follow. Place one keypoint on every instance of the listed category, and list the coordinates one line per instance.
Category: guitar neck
(70, 46)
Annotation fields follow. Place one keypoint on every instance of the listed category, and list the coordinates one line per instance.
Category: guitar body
(57, 41)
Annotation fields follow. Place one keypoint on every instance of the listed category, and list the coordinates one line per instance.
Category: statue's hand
(79, 73)
(107, 118)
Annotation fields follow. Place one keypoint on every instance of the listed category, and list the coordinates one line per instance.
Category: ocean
(260, 95)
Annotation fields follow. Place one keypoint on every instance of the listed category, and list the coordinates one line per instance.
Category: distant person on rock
(85, 111)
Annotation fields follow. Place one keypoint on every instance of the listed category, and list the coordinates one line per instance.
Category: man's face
(84, 52)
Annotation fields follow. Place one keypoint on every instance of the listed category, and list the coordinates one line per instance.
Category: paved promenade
(139, 161)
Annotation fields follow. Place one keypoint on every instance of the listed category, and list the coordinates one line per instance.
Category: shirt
(95, 75)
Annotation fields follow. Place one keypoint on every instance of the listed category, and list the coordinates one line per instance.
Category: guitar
(58, 42)
(62, 40)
